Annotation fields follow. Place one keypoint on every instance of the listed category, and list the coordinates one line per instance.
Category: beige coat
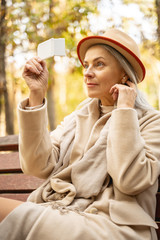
(105, 190)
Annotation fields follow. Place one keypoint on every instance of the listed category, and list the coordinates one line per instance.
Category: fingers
(131, 84)
(125, 95)
(115, 88)
(114, 91)
(34, 65)
(130, 88)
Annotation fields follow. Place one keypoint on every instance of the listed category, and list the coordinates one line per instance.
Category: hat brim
(87, 42)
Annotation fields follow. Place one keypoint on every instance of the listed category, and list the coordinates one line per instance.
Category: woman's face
(101, 72)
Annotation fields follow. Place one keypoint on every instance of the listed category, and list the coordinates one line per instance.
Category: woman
(101, 164)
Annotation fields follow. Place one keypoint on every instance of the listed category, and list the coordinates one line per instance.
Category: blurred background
(24, 24)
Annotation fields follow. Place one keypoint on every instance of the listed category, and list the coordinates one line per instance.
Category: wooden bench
(13, 183)
(16, 185)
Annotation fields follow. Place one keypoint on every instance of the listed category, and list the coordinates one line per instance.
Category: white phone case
(51, 47)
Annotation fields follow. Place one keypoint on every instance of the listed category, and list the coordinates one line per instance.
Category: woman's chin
(92, 95)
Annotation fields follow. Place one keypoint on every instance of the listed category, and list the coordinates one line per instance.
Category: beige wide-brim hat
(121, 42)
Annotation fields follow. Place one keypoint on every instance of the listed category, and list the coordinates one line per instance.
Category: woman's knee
(7, 205)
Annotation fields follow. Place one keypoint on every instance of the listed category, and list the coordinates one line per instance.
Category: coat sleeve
(38, 149)
(133, 152)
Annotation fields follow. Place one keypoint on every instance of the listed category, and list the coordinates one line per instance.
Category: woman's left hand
(124, 95)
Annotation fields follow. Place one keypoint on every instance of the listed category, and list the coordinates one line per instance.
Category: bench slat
(9, 162)
(18, 182)
(17, 196)
(9, 143)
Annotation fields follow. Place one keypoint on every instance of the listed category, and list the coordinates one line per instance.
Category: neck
(107, 102)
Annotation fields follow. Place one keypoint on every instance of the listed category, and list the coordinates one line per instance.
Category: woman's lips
(91, 85)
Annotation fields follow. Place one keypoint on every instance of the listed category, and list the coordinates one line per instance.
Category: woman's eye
(100, 64)
(85, 66)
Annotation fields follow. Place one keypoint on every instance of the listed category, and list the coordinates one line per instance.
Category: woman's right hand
(35, 74)
(125, 95)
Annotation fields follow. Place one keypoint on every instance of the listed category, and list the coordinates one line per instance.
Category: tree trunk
(158, 18)
(51, 108)
(3, 83)
(158, 32)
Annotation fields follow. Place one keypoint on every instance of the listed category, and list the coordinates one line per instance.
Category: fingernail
(40, 67)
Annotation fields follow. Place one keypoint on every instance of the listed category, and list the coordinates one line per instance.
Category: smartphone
(51, 47)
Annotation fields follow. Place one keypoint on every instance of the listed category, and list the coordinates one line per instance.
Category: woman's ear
(124, 79)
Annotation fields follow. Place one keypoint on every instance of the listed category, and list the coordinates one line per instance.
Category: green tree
(4, 98)
(27, 23)
(150, 48)
(157, 3)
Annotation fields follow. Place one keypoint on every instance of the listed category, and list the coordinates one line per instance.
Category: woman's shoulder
(149, 117)
(150, 112)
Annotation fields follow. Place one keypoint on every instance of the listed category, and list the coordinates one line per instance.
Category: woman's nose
(88, 72)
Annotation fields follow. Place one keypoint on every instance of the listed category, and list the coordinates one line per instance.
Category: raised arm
(35, 74)
(134, 150)
(38, 151)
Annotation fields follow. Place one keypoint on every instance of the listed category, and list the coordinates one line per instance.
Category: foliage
(74, 93)
(150, 49)
(28, 23)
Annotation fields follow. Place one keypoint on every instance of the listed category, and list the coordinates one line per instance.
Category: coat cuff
(32, 120)
(124, 119)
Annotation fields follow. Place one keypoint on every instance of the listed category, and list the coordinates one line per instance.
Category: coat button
(94, 210)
